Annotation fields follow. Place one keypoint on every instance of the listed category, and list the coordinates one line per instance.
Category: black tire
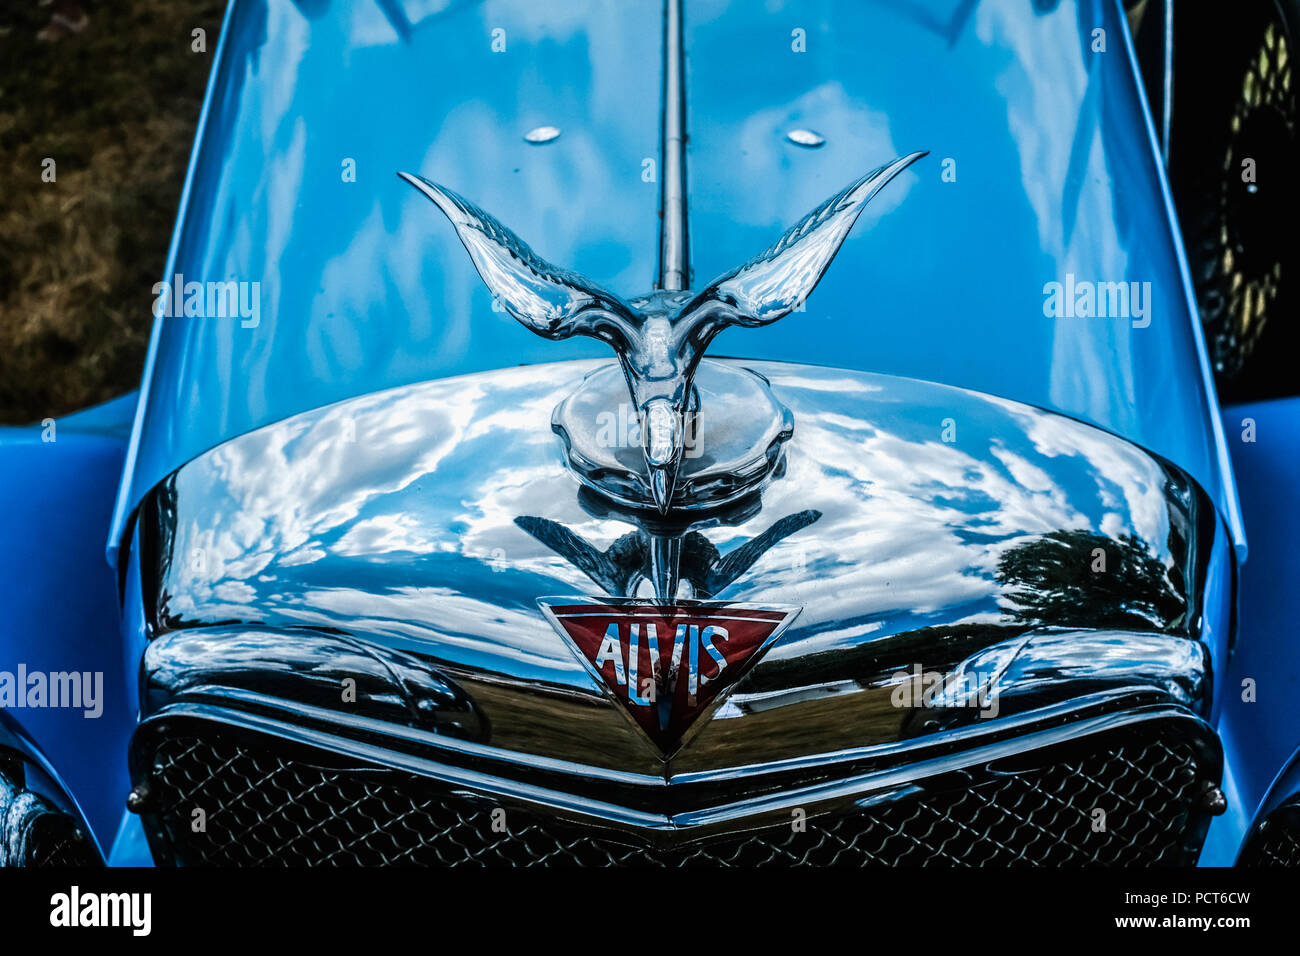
(1235, 103)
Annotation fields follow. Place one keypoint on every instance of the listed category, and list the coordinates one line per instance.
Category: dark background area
(115, 106)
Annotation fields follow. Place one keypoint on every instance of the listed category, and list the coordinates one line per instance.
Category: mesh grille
(265, 806)
(1277, 842)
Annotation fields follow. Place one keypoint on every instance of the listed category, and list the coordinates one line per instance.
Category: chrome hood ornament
(660, 337)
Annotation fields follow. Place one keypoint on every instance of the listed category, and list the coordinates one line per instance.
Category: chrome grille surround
(270, 801)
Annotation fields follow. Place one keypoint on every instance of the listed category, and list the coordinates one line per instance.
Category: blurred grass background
(115, 106)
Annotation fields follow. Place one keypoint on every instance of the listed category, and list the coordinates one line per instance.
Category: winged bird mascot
(660, 337)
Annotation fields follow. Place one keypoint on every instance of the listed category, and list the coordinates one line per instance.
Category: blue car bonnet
(1042, 169)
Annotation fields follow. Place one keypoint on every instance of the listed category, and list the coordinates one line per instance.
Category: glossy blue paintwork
(1260, 738)
(129, 847)
(1056, 173)
(61, 602)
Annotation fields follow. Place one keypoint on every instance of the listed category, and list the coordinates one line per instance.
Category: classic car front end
(949, 671)
(935, 556)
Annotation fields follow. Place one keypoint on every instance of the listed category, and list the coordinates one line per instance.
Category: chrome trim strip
(396, 760)
(235, 702)
(674, 240)
(295, 712)
(1059, 713)
(873, 786)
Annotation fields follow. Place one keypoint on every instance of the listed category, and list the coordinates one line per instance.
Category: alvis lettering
(667, 664)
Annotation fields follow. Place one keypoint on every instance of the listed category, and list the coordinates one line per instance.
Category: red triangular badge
(667, 664)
